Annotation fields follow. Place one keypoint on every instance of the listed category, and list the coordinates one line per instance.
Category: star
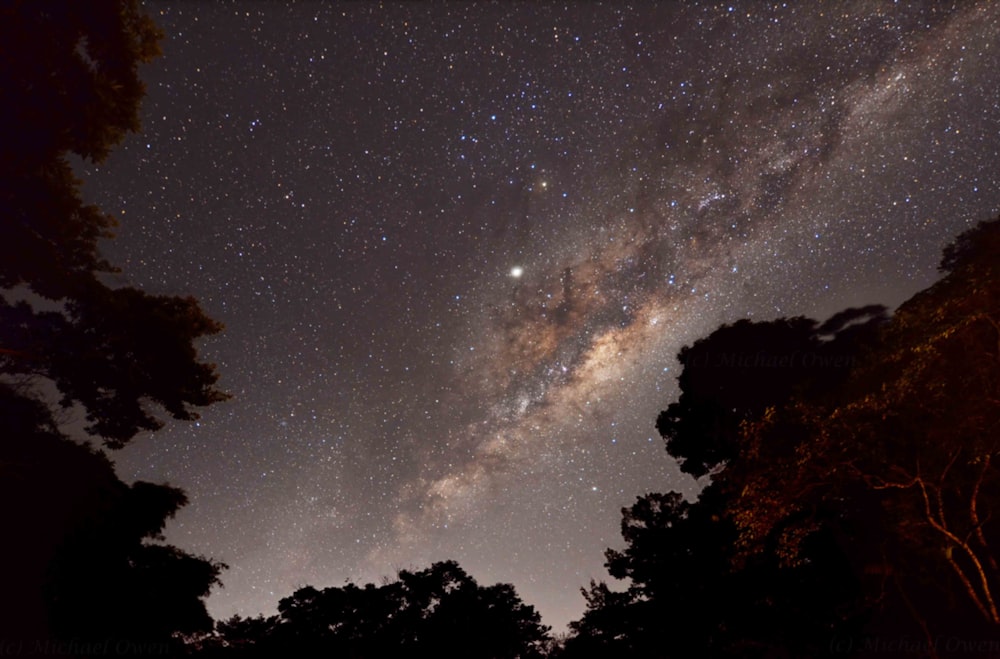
(692, 168)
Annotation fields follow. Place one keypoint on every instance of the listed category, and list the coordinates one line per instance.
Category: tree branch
(974, 513)
(989, 612)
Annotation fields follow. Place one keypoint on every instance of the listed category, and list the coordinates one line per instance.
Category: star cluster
(457, 246)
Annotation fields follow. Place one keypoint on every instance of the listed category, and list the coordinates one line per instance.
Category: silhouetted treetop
(81, 559)
(901, 461)
(437, 612)
(69, 72)
(976, 247)
(740, 370)
(860, 475)
(81, 554)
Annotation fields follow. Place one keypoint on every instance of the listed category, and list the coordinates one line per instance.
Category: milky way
(457, 247)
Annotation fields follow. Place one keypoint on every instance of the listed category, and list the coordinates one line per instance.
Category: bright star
(516, 271)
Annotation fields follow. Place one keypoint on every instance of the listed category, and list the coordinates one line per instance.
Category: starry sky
(457, 246)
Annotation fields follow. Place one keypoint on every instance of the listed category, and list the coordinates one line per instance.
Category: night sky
(456, 248)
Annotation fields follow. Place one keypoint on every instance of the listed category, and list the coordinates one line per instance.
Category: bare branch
(990, 613)
(974, 513)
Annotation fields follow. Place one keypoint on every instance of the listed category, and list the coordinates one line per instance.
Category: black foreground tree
(904, 459)
(437, 612)
(81, 564)
(688, 585)
(853, 475)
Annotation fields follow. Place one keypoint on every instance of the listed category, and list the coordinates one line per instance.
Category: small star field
(457, 246)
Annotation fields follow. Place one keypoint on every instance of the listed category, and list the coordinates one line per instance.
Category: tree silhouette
(905, 454)
(69, 74)
(437, 612)
(689, 581)
(742, 369)
(853, 479)
(685, 590)
(80, 557)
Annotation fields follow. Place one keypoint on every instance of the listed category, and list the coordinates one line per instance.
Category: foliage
(742, 369)
(82, 559)
(853, 479)
(685, 590)
(70, 77)
(904, 458)
(438, 612)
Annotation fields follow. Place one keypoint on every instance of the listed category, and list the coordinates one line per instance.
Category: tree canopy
(742, 369)
(71, 87)
(437, 612)
(853, 479)
(83, 558)
(911, 441)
